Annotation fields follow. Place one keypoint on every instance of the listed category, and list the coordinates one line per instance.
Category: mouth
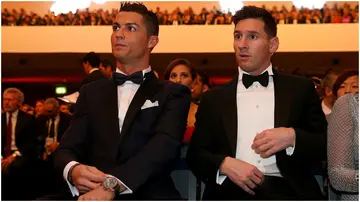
(244, 56)
(120, 45)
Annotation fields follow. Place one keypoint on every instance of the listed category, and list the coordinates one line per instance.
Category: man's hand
(52, 146)
(270, 141)
(87, 178)
(98, 194)
(241, 173)
(5, 163)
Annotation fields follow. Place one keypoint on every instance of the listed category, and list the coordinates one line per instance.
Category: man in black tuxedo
(18, 146)
(126, 132)
(257, 137)
(51, 125)
(91, 63)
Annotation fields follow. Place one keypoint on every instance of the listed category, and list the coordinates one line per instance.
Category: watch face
(110, 182)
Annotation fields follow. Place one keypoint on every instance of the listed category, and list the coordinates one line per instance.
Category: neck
(130, 68)
(260, 70)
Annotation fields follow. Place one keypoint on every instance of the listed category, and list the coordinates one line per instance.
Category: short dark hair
(93, 59)
(342, 77)
(150, 20)
(177, 62)
(253, 12)
(106, 63)
(205, 80)
(328, 80)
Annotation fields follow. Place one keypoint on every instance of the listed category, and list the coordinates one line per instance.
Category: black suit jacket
(142, 155)
(42, 128)
(25, 135)
(296, 105)
(94, 76)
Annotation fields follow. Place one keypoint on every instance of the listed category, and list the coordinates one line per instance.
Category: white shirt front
(325, 109)
(255, 112)
(125, 93)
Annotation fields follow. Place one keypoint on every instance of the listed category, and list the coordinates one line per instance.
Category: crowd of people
(337, 14)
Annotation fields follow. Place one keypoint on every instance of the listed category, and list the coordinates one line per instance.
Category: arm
(310, 129)
(202, 159)
(163, 147)
(341, 131)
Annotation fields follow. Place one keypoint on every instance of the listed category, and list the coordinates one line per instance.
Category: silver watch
(111, 184)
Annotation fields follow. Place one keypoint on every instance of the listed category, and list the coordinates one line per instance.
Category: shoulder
(171, 87)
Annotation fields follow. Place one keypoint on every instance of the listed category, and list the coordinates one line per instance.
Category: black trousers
(273, 188)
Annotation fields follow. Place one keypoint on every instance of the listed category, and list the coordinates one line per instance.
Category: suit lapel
(283, 96)
(229, 113)
(112, 110)
(145, 91)
(20, 123)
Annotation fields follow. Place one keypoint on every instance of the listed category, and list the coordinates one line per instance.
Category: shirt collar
(144, 71)
(269, 70)
(93, 69)
(14, 114)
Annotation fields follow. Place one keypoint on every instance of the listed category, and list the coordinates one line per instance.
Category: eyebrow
(126, 24)
(251, 32)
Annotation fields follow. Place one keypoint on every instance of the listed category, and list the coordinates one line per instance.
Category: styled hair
(93, 59)
(52, 101)
(106, 63)
(177, 62)
(342, 77)
(253, 12)
(150, 19)
(205, 80)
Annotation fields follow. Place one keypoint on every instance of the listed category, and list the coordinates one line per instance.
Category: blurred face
(64, 108)
(181, 74)
(350, 85)
(106, 70)
(252, 47)
(198, 88)
(50, 110)
(38, 107)
(129, 38)
(10, 102)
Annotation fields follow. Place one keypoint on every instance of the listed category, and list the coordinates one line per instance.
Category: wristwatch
(111, 184)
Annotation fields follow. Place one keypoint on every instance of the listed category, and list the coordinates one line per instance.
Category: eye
(237, 36)
(172, 76)
(252, 37)
(115, 27)
(131, 28)
(184, 75)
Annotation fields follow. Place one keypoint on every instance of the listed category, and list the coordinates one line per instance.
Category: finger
(258, 173)
(81, 198)
(246, 188)
(257, 143)
(250, 184)
(270, 152)
(86, 183)
(255, 179)
(92, 177)
(95, 171)
(83, 189)
(264, 147)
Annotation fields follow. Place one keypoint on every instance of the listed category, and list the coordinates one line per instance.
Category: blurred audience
(347, 82)
(337, 14)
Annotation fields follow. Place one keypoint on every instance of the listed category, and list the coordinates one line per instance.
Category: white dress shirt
(56, 126)
(255, 112)
(125, 93)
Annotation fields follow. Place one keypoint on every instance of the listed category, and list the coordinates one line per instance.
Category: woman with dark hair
(347, 82)
(183, 72)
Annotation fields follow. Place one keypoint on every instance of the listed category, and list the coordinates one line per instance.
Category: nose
(120, 34)
(243, 45)
(178, 79)
(347, 89)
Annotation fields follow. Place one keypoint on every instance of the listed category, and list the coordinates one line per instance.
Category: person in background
(107, 68)
(91, 63)
(347, 82)
(343, 147)
(38, 107)
(328, 99)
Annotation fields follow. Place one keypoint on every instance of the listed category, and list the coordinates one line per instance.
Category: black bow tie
(248, 80)
(136, 78)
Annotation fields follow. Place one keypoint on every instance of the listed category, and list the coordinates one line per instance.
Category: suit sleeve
(163, 148)
(311, 129)
(202, 159)
(28, 144)
(73, 142)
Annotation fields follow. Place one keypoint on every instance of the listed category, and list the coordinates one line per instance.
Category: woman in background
(343, 147)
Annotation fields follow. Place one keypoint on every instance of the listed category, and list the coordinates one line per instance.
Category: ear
(153, 41)
(205, 88)
(274, 44)
(328, 92)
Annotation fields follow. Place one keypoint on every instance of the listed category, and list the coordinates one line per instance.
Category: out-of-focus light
(66, 6)
(230, 6)
(316, 4)
(60, 90)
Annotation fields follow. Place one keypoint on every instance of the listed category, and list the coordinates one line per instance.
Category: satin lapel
(283, 99)
(229, 112)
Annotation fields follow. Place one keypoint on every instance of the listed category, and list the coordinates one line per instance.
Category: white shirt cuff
(73, 189)
(290, 150)
(220, 178)
(127, 190)
(18, 153)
